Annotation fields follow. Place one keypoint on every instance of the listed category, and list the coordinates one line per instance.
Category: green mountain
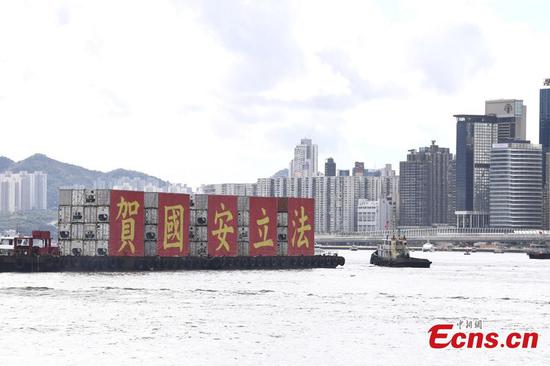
(67, 175)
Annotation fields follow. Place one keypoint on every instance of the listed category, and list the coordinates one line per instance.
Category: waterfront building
(424, 186)
(330, 168)
(513, 114)
(304, 163)
(516, 185)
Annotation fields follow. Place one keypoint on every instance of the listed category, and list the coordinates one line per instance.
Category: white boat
(428, 247)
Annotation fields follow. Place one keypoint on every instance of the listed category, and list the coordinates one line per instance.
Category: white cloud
(210, 91)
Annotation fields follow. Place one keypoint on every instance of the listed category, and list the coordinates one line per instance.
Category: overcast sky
(221, 91)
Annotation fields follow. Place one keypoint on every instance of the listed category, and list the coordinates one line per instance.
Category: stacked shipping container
(130, 223)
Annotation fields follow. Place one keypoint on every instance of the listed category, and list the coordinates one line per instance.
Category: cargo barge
(114, 230)
(130, 264)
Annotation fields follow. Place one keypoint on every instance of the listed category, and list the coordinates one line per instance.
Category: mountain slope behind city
(62, 174)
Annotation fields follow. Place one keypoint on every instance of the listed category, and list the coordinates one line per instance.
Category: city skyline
(373, 80)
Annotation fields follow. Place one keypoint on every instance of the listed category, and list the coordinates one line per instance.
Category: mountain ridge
(61, 174)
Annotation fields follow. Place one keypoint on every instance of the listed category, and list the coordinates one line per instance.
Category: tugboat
(539, 251)
(395, 253)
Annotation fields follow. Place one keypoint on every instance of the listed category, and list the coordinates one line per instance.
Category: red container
(301, 238)
(127, 221)
(263, 226)
(222, 226)
(173, 224)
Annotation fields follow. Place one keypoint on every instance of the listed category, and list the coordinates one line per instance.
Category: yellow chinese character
(221, 218)
(263, 234)
(127, 233)
(173, 227)
(301, 229)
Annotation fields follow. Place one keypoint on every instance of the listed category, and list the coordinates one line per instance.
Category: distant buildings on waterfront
(23, 191)
(138, 184)
(496, 179)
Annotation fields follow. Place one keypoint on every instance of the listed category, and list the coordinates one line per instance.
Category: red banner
(127, 221)
(173, 224)
(301, 219)
(263, 226)
(222, 225)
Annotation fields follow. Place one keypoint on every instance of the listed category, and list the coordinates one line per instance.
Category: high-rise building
(475, 136)
(544, 122)
(343, 173)
(373, 215)
(512, 114)
(358, 169)
(424, 186)
(304, 163)
(330, 168)
(516, 185)
(23, 191)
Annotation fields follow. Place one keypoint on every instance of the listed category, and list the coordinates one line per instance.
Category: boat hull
(539, 255)
(129, 264)
(400, 262)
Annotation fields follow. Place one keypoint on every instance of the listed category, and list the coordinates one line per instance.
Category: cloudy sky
(220, 91)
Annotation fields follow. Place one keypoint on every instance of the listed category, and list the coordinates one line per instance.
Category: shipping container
(282, 248)
(89, 248)
(150, 248)
(65, 197)
(90, 214)
(90, 197)
(77, 231)
(103, 214)
(151, 200)
(77, 197)
(64, 231)
(65, 214)
(201, 218)
(242, 203)
(102, 231)
(198, 249)
(90, 231)
(198, 233)
(243, 249)
(103, 197)
(151, 233)
(282, 234)
(77, 247)
(102, 247)
(151, 216)
(222, 226)
(127, 223)
(262, 226)
(65, 247)
(77, 213)
(199, 201)
(282, 219)
(243, 218)
(301, 227)
(243, 234)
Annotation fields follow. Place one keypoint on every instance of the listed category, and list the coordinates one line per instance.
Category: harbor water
(358, 314)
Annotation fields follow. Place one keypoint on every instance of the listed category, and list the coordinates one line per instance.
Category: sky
(203, 92)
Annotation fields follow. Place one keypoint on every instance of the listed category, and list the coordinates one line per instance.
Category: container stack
(282, 226)
(243, 217)
(161, 224)
(83, 221)
(151, 223)
(198, 223)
